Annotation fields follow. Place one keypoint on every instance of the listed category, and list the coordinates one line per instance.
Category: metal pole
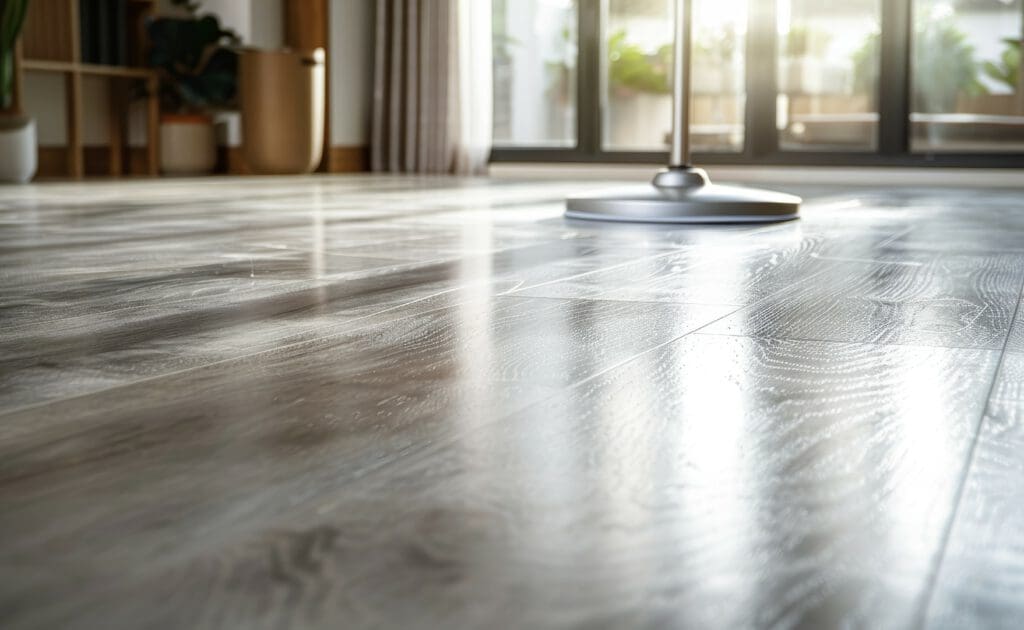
(1020, 69)
(683, 193)
(680, 154)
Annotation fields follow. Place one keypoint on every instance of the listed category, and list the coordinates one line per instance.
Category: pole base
(684, 195)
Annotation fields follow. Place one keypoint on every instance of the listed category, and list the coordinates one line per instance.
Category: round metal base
(684, 195)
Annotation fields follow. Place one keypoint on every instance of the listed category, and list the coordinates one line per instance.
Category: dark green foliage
(12, 17)
(198, 72)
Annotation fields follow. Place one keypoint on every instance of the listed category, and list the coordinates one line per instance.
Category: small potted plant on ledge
(199, 75)
(17, 131)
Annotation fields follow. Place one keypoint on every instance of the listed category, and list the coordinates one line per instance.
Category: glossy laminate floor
(418, 402)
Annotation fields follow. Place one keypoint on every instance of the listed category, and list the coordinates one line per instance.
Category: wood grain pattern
(982, 573)
(953, 300)
(377, 401)
(73, 108)
(47, 32)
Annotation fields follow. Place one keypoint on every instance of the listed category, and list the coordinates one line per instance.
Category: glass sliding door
(800, 82)
(966, 76)
(828, 63)
(535, 58)
(637, 75)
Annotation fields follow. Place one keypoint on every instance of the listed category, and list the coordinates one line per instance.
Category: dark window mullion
(761, 138)
(894, 78)
(588, 78)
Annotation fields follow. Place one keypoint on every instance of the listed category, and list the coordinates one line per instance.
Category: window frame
(760, 138)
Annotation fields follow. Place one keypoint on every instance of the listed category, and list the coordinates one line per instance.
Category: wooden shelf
(117, 71)
(51, 43)
(45, 65)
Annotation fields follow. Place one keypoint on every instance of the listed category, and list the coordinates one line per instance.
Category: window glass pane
(966, 76)
(535, 72)
(828, 74)
(637, 107)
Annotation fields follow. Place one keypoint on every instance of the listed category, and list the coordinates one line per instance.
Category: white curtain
(432, 100)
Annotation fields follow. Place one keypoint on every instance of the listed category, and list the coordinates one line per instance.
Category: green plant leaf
(197, 71)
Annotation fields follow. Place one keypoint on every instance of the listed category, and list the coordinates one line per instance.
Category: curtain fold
(432, 97)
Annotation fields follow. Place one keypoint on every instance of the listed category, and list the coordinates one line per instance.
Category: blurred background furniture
(57, 33)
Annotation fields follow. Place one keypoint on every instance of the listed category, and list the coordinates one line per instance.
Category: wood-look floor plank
(293, 426)
(433, 402)
(712, 482)
(738, 271)
(954, 300)
(982, 574)
(119, 342)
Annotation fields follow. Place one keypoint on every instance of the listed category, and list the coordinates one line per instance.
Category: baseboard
(349, 159)
(780, 175)
(53, 161)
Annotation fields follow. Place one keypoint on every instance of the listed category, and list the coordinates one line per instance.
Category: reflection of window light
(718, 13)
(942, 11)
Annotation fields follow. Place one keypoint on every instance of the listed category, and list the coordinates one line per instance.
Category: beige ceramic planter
(282, 96)
(187, 144)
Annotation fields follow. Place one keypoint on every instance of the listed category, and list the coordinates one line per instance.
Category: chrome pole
(680, 153)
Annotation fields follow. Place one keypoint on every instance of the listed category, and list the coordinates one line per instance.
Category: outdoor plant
(631, 68)
(942, 66)
(12, 17)
(1007, 69)
(803, 40)
(199, 72)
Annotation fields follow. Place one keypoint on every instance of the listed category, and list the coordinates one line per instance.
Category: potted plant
(17, 131)
(199, 75)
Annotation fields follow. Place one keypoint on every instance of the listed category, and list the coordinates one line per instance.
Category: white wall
(351, 68)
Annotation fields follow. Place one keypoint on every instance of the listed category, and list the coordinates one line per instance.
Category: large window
(966, 76)
(828, 74)
(637, 105)
(534, 48)
(773, 81)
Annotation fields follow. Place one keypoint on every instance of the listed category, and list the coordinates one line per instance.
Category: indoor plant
(199, 75)
(17, 131)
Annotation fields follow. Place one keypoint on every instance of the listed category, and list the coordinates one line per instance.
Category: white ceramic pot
(17, 149)
(187, 145)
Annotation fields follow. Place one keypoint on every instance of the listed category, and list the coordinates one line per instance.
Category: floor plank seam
(631, 261)
(933, 576)
(598, 374)
(370, 274)
(880, 344)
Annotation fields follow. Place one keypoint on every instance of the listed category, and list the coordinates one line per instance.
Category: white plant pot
(17, 149)
(187, 145)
